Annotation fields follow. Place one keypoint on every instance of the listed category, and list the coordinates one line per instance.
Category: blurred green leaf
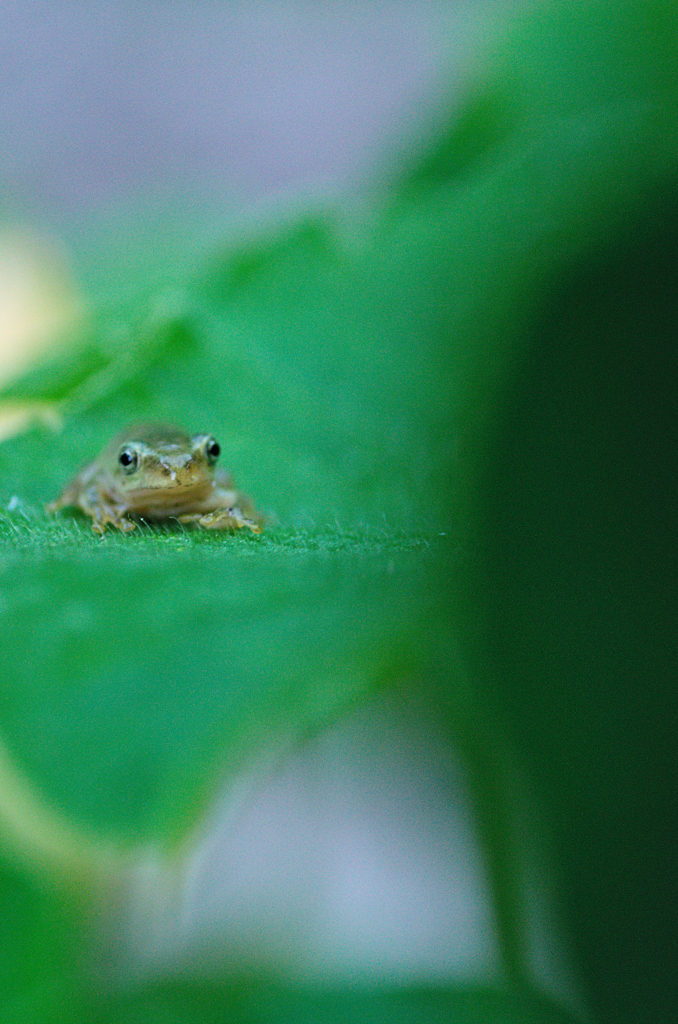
(264, 1004)
(569, 482)
(41, 943)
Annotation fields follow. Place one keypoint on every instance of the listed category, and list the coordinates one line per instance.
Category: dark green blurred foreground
(463, 425)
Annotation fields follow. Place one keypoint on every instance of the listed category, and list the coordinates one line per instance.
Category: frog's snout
(177, 467)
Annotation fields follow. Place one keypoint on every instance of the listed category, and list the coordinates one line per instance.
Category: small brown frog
(153, 472)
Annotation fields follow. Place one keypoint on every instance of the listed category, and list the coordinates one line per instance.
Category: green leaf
(164, 663)
(264, 1004)
(568, 489)
(40, 945)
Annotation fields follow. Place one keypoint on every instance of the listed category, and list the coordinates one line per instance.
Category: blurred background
(107, 102)
(117, 114)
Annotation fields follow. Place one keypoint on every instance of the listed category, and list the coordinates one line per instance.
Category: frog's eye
(212, 450)
(128, 459)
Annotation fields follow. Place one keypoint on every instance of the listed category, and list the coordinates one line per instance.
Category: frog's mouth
(167, 498)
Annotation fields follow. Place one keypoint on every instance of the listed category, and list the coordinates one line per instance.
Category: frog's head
(162, 460)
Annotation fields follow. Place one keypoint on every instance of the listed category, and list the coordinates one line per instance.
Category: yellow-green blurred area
(453, 394)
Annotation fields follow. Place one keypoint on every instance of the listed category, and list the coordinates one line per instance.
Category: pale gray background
(104, 100)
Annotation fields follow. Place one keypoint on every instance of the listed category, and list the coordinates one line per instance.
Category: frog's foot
(101, 521)
(104, 513)
(101, 512)
(222, 519)
(122, 523)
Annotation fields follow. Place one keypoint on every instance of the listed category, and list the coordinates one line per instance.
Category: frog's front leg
(104, 513)
(222, 519)
(225, 509)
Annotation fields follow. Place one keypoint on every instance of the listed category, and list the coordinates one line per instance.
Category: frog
(153, 472)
